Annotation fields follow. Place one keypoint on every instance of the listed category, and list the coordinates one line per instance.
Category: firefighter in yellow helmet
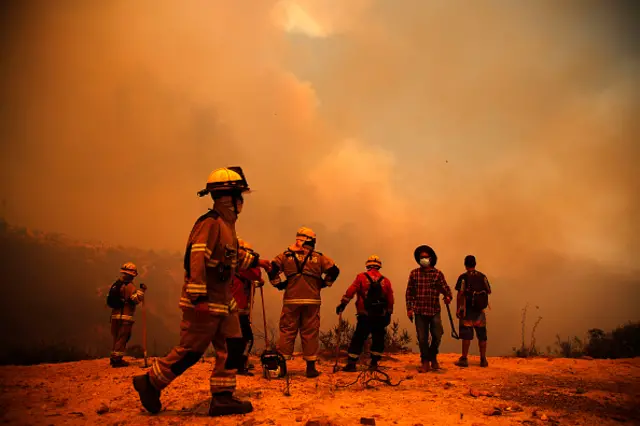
(212, 257)
(374, 307)
(306, 272)
(122, 299)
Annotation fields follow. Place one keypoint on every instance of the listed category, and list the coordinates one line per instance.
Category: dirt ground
(511, 391)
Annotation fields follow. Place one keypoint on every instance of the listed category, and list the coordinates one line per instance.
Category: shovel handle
(338, 335)
(264, 320)
(454, 334)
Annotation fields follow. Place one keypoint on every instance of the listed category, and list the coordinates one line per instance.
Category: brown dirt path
(547, 391)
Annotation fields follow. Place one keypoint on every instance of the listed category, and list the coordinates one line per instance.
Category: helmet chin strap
(230, 202)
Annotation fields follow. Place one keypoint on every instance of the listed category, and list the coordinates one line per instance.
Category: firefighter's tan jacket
(132, 297)
(211, 259)
(303, 288)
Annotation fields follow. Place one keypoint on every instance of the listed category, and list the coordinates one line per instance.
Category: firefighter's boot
(311, 370)
(224, 404)
(424, 367)
(373, 365)
(350, 367)
(462, 362)
(434, 364)
(149, 395)
(118, 362)
(243, 370)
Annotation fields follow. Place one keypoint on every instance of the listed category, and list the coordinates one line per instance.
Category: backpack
(476, 292)
(375, 302)
(115, 300)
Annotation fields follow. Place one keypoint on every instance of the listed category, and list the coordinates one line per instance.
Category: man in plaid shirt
(426, 283)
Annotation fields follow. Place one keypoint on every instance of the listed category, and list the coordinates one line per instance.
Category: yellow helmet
(130, 269)
(245, 245)
(374, 260)
(306, 234)
(225, 181)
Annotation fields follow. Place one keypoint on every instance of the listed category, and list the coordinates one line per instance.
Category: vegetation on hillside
(55, 296)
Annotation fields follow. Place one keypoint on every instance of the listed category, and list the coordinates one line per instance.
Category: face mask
(309, 244)
(424, 261)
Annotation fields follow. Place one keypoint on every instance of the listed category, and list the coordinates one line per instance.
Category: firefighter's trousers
(197, 331)
(121, 333)
(306, 320)
(239, 348)
(366, 325)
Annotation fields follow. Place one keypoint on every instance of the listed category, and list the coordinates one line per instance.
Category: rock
(476, 393)
(493, 412)
(103, 408)
(321, 421)
(77, 413)
(367, 421)
(544, 417)
(447, 385)
(298, 419)
(580, 391)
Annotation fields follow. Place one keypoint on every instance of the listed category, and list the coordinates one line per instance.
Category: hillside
(46, 276)
(536, 391)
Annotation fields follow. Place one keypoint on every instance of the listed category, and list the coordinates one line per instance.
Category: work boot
(350, 367)
(434, 364)
(149, 395)
(373, 365)
(462, 362)
(311, 370)
(244, 372)
(224, 404)
(425, 367)
(484, 362)
(118, 362)
(251, 367)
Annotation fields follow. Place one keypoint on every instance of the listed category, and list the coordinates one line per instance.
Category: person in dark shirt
(472, 298)
(424, 288)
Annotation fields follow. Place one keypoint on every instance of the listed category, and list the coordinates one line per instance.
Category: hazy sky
(504, 129)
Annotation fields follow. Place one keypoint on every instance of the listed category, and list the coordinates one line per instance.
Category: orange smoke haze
(508, 130)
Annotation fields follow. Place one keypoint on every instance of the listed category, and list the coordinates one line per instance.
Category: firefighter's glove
(258, 283)
(282, 285)
(460, 314)
(340, 308)
(143, 287)
(265, 264)
(447, 300)
(410, 315)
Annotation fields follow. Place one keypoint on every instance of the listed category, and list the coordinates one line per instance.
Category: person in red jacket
(242, 288)
(375, 306)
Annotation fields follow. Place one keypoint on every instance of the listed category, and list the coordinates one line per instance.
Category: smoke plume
(507, 130)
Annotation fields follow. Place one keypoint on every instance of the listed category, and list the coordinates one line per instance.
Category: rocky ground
(511, 391)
